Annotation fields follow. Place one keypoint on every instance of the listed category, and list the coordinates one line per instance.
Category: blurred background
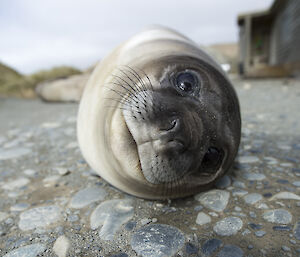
(45, 40)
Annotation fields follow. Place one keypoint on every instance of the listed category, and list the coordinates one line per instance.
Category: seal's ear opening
(212, 161)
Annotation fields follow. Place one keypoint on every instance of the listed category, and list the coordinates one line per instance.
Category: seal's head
(183, 116)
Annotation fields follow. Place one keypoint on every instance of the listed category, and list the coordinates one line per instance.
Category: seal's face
(183, 122)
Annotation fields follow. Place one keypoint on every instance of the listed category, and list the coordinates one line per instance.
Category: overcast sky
(39, 34)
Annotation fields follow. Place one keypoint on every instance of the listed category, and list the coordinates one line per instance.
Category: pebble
(87, 196)
(285, 248)
(231, 251)
(210, 246)
(62, 171)
(13, 153)
(202, 218)
(19, 207)
(39, 217)
(279, 216)
(296, 183)
(282, 228)
(297, 230)
(27, 251)
(285, 196)
(223, 182)
(30, 173)
(248, 159)
(61, 246)
(239, 192)
(252, 198)
(16, 183)
(112, 214)
(253, 176)
(239, 184)
(260, 233)
(228, 226)
(215, 200)
(157, 240)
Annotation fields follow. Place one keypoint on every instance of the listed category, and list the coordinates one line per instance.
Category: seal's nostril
(173, 124)
(170, 125)
(212, 159)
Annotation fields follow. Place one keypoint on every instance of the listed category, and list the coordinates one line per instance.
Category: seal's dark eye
(187, 82)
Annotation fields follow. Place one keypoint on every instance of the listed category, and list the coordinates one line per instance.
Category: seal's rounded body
(158, 117)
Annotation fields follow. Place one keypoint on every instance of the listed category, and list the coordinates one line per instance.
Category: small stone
(279, 216)
(145, 221)
(237, 208)
(210, 246)
(246, 232)
(250, 247)
(62, 171)
(190, 248)
(87, 196)
(19, 207)
(27, 251)
(296, 183)
(157, 240)
(228, 226)
(61, 246)
(255, 226)
(282, 228)
(231, 251)
(13, 153)
(252, 214)
(39, 217)
(130, 225)
(239, 192)
(262, 206)
(297, 230)
(260, 233)
(16, 183)
(285, 248)
(202, 218)
(111, 214)
(119, 255)
(252, 198)
(285, 196)
(30, 173)
(215, 200)
(248, 159)
(198, 208)
(223, 182)
(239, 184)
(253, 176)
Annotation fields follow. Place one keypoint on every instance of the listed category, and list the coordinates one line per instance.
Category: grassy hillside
(13, 83)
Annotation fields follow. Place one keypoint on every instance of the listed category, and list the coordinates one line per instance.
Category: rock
(210, 246)
(282, 228)
(215, 200)
(223, 182)
(17, 183)
(231, 251)
(253, 176)
(62, 171)
(248, 159)
(285, 196)
(285, 248)
(30, 173)
(228, 226)
(239, 192)
(65, 89)
(39, 217)
(112, 214)
(202, 218)
(157, 240)
(279, 216)
(252, 198)
(61, 246)
(87, 196)
(27, 251)
(13, 153)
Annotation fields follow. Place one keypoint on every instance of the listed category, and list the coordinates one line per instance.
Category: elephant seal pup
(158, 117)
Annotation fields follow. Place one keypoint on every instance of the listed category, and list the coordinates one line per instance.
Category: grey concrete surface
(52, 203)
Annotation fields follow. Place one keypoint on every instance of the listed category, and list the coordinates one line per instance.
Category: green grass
(15, 84)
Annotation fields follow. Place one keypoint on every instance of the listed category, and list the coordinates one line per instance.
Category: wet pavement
(53, 204)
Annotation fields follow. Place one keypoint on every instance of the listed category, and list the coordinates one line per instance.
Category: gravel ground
(52, 203)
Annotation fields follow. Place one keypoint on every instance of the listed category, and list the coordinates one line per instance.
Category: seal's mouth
(211, 161)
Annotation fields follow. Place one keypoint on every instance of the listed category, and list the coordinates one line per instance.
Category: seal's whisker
(137, 76)
(120, 78)
(121, 94)
(124, 87)
(135, 83)
(147, 78)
